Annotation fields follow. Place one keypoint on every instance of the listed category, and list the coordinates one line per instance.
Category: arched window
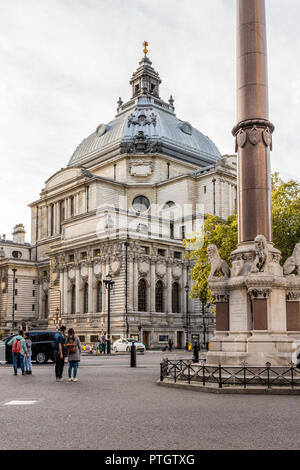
(142, 296)
(86, 298)
(175, 298)
(99, 296)
(159, 297)
(73, 300)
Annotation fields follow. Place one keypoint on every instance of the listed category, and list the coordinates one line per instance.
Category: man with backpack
(59, 353)
(19, 350)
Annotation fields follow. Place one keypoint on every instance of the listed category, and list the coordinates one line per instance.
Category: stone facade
(145, 179)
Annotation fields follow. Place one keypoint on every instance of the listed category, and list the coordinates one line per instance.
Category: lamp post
(186, 288)
(13, 306)
(126, 244)
(109, 284)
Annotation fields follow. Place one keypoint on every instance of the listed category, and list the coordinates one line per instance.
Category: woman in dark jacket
(74, 350)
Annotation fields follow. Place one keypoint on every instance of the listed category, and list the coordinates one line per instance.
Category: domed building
(129, 195)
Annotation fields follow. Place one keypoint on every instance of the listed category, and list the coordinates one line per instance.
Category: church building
(129, 195)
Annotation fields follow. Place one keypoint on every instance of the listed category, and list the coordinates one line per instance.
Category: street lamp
(109, 285)
(186, 288)
(126, 244)
(13, 306)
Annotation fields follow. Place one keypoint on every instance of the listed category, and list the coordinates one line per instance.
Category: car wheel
(41, 358)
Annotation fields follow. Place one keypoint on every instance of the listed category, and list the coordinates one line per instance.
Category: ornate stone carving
(115, 264)
(84, 271)
(144, 265)
(267, 137)
(177, 271)
(241, 138)
(97, 269)
(161, 268)
(260, 263)
(259, 292)
(140, 144)
(141, 167)
(254, 136)
(293, 296)
(218, 265)
(71, 273)
(142, 119)
(220, 297)
(293, 262)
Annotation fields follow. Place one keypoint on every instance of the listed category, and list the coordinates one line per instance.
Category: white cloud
(66, 62)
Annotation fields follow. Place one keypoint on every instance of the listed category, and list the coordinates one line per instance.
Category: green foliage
(223, 234)
(286, 214)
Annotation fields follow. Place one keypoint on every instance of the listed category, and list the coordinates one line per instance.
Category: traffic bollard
(133, 355)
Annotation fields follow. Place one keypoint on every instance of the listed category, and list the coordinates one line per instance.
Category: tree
(286, 214)
(223, 234)
(215, 231)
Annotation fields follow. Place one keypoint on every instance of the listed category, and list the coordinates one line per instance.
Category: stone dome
(149, 119)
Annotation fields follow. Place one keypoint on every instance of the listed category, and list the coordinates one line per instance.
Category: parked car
(42, 350)
(124, 345)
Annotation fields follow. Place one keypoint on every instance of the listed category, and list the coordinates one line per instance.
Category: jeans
(59, 365)
(73, 365)
(28, 365)
(103, 347)
(17, 357)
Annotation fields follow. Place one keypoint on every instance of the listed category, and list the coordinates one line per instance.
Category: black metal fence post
(161, 372)
(196, 353)
(189, 373)
(268, 365)
(220, 376)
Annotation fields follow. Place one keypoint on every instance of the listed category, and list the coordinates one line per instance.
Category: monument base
(255, 349)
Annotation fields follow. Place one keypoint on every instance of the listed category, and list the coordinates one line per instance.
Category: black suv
(42, 349)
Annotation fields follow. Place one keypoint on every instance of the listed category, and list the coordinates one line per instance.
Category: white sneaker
(75, 380)
(59, 380)
(70, 380)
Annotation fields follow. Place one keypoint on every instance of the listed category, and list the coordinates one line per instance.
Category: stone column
(152, 286)
(169, 288)
(91, 289)
(253, 131)
(65, 292)
(78, 291)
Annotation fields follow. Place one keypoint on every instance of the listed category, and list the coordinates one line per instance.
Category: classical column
(169, 288)
(65, 308)
(253, 131)
(152, 285)
(78, 291)
(91, 289)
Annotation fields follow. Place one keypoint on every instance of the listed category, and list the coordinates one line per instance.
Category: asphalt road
(114, 407)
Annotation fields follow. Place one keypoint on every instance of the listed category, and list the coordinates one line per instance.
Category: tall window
(142, 296)
(99, 296)
(86, 298)
(159, 297)
(73, 300)
(175, 298)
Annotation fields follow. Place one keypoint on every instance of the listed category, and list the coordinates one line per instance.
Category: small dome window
(186, 128)
(16, 254)
(169, 205)
(101, 129)
(141, 204)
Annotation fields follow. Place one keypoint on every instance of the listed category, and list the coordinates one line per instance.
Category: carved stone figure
(293, 262)
(218, 265)
(261, 252)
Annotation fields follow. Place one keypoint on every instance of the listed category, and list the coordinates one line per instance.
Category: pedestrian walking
(103, 338)
(27, 359)
(19, 351)
(74, 350)
(170, 342)
(97, 343)
(59, 353)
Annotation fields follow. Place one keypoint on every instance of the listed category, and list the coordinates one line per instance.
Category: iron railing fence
(243, 376)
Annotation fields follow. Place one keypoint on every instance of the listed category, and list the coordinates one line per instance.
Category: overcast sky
(64, 64)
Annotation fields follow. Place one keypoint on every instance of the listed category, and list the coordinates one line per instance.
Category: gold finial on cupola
(145, 44)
